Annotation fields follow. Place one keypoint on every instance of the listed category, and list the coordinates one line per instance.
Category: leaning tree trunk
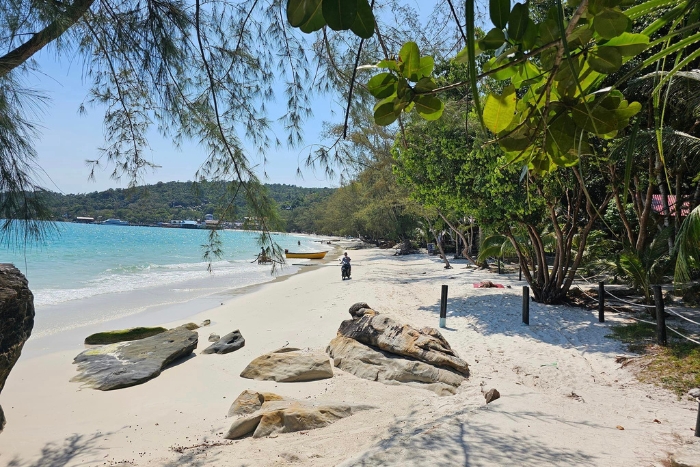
(439, 245)
(16, 320)
(465, 251)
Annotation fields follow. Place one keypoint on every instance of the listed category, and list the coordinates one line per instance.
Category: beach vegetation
(675, 367)
(122, 335)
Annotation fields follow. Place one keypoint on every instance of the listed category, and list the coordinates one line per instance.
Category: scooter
(345, 271)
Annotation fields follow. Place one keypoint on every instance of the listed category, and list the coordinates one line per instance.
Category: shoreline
(152, 314)
(562, 393)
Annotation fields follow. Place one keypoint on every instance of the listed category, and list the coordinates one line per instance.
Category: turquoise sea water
(154, 266)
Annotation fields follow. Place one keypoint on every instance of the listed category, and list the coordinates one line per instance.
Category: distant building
(658, 206)
(209, 217)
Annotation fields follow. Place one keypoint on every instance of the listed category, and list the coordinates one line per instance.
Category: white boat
(114, 222)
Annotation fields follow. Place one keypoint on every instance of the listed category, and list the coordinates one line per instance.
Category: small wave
(226, 275)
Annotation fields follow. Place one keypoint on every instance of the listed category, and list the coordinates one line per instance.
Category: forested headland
(164, 201)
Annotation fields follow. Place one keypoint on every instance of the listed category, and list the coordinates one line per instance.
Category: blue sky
(68, 139)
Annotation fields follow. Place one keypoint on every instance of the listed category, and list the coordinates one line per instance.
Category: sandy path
(562, 394)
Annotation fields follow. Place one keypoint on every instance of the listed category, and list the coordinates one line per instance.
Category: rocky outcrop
(16, 320)
(214, 337)
(278, 415)
(290, 365)
(250, 401)
(374, 364)
(125, 364)
(229, 343)
(426, 344)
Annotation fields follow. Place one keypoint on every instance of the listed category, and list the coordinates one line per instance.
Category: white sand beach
(564, 399)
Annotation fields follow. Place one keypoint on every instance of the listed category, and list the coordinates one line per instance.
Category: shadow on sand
(500, 312)
(55, 455)
(465, 439)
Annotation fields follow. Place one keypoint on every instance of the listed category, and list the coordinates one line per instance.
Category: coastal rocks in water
(374, 364)
(125, 364)
(230, 342)
(206, 322)
(288, 365)
(122, 335)
(16, 320)
(250, 401)
(214, 337)
(426, 344)
(279, 415)
(191, 326)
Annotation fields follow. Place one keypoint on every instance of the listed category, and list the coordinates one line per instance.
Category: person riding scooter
(345, 267)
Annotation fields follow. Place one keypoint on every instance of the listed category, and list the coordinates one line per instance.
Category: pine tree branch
(38, 41)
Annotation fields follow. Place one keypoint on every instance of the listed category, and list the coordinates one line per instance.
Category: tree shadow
(454, 439)
(54, 455)
(208, 451)
(499, 311)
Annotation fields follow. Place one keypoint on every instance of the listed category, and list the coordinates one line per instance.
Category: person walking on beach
(345, 259)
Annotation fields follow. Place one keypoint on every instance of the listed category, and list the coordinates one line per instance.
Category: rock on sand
(290, 365)
(125, 364)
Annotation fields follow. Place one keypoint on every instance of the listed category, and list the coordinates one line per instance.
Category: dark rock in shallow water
(16, 320)
(125, 364)
(230, 342)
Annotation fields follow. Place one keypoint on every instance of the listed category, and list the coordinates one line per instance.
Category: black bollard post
(443, 307)
(526, 305)
(520, 273)
(601, 302)
(697, 422)
(660, 316)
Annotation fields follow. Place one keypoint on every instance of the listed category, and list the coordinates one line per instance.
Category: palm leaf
(687, 246)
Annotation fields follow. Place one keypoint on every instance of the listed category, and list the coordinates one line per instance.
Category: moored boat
(306, 255)
(114, 222)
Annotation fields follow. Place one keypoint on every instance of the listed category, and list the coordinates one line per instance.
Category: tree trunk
(465, 252)
(439, 244)
(19, 55)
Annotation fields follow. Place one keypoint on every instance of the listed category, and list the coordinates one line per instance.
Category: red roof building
(658, 207)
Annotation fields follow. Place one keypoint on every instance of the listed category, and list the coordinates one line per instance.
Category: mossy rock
(191, 326)
(122, 335)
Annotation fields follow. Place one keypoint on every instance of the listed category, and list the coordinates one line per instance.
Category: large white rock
(288, 365)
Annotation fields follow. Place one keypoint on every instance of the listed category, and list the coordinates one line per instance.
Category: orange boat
(307, 255)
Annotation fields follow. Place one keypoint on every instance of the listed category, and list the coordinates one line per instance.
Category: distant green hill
(180, 200)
